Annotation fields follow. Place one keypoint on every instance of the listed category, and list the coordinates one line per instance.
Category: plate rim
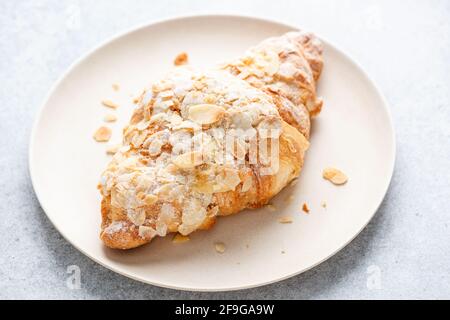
(172, 18)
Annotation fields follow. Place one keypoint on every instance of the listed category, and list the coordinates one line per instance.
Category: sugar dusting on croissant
(207, 144)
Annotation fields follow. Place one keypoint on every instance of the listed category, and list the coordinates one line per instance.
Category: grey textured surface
(403, 45)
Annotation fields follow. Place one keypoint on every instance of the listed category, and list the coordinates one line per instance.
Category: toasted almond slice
(205, 114)
(179, 238)
(285, 219)
(146, 232)
(231, 178)
(198, 85)
(220, 247)
(181, 59)
(150, 199)
(305, 208)
(110, 104)
(165, 95)
(102, 134)
(203, 187)
(188, 160)
(335, 176)
(115, 87)
(113, 149)
(110, 118)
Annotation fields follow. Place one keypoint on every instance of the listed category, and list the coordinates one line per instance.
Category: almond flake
(136, 216)
(115, 87)
(110, 118)
(102, 134)
(271, 207)
(205, 114)
(220, 247)
(335, 176)
(113, 149)
(110, 104)
(181, 59)
(228, 180)
(166, 94)
(188, 160)
(179, 238)
(294, 182)
(146, 232)
(285, 219)
(150, 199)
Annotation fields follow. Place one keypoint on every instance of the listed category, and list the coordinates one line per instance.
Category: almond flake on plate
(115, 87)
(109, 104)
(285, 219)
(335, 176)
(220, 247)
(110, 118)
(102, 134)
(305, 208)
(113, 149)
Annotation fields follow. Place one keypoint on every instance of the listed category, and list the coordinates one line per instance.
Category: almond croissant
(207, 144)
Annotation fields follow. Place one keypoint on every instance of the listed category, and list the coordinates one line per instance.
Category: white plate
(354, 133)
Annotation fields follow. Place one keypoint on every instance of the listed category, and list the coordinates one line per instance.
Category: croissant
(203, 144)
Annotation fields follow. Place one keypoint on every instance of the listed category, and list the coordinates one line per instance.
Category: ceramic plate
(354, 133)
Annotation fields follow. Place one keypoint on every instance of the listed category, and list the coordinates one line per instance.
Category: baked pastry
(207, 144)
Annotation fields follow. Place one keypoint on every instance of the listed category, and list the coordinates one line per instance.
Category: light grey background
(403, 45)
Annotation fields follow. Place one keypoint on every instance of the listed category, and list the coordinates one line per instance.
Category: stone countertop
(403, 253)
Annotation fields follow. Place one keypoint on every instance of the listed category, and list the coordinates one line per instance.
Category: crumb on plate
(181, 59)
